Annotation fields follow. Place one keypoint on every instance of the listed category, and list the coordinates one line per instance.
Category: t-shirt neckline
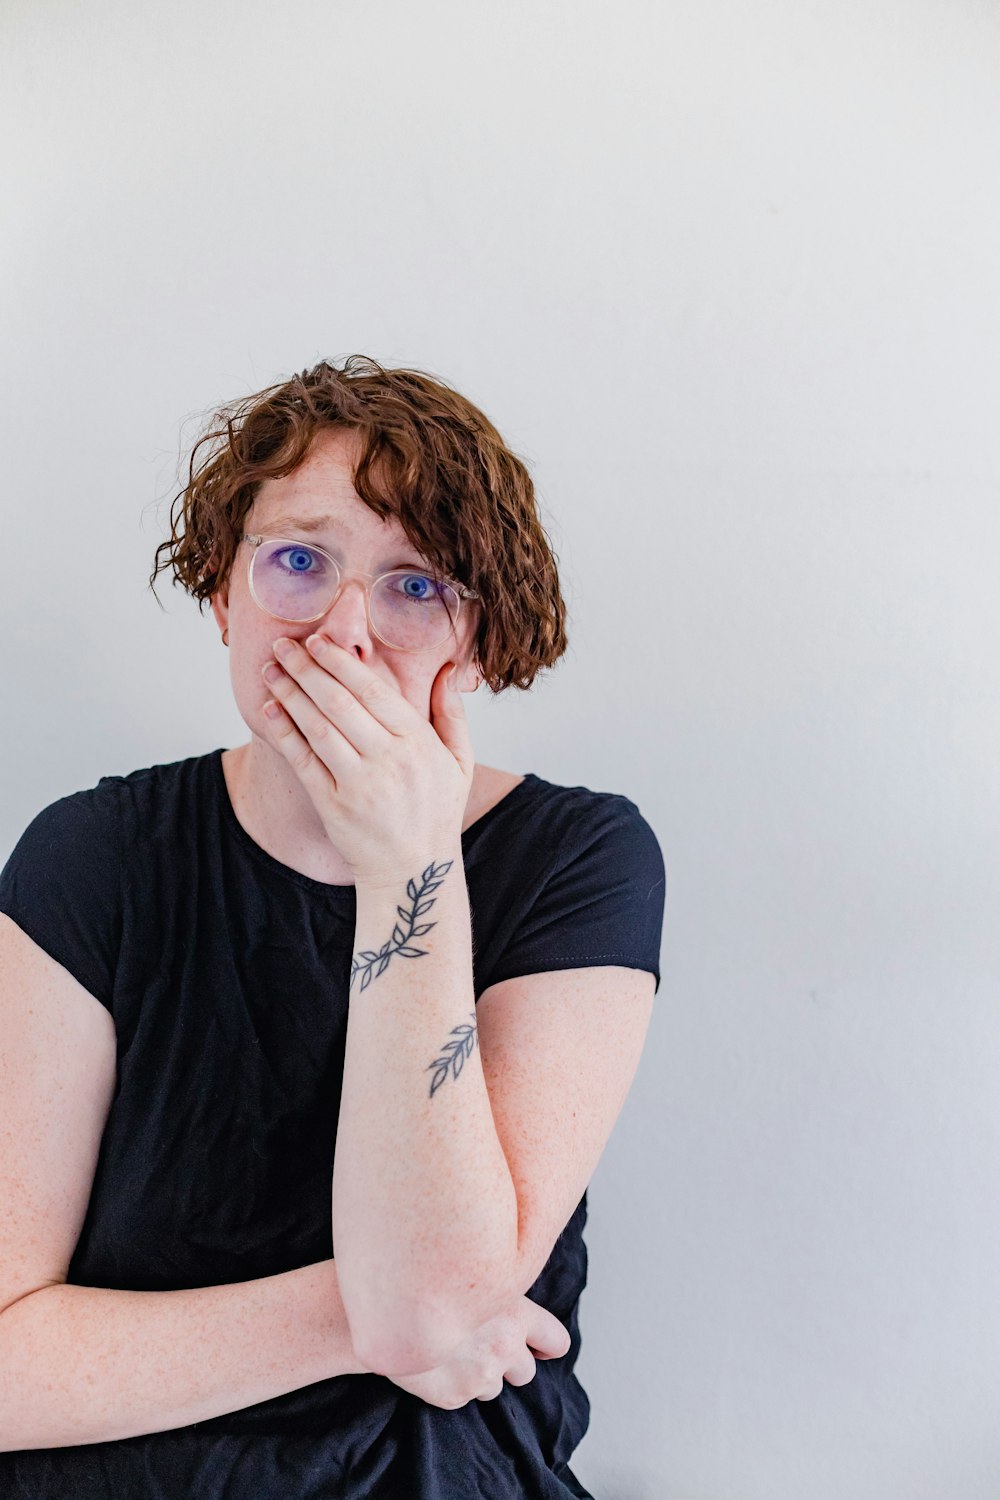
(341, 892)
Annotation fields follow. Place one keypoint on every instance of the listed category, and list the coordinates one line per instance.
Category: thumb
(448, 715)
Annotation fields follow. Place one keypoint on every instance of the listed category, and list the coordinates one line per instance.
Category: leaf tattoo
(400, 943)
(457, 1053)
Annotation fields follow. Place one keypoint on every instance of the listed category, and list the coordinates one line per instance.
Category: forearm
(425, 1212)
(88, 1365)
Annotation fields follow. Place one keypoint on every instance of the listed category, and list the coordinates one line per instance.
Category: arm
(559, 1051)
(436, 1215)
(423, 1202)
(85, 1365)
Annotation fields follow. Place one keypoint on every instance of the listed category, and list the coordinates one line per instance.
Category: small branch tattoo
(400, 943)
(457, 1052)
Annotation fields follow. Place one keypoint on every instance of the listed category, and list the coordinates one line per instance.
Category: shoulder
(87, 825)
(580, 817)
(61, 885)
(152, 780)
(164, 802)
(575, 878)
(82, 817)
(547, 831)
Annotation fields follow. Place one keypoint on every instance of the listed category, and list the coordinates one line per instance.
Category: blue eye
(298, 559)
(414, 588)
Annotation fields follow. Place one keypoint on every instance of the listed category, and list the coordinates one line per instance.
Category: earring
(225, 636)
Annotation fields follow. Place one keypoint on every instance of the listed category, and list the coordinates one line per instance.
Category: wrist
(435, 863)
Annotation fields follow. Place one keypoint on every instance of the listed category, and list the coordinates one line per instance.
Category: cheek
(246, 663)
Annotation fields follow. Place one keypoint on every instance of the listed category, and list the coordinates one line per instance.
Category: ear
(467, 674)
(220, 609)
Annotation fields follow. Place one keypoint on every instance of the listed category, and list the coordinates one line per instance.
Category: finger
(384, 703)
(547, 1338)
(491, 1395)
(311, 771)
(521, 1371)
(449, 720)
(353, 715)
(330, 747)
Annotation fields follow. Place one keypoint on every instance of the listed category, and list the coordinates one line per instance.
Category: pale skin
(367, 777)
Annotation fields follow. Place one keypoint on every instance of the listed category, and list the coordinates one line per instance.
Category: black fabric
(226, 973)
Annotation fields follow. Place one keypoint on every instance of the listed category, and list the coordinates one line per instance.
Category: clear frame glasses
(298, 582)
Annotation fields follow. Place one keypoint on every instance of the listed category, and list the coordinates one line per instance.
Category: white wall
(727, 275)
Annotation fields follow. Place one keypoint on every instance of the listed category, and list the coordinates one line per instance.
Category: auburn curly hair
(426, 456)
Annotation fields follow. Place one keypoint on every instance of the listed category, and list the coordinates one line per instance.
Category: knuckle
(502, 1347)
(372, 692)
(508, 1327)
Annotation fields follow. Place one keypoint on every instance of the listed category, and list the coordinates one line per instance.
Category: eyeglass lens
(408, 608)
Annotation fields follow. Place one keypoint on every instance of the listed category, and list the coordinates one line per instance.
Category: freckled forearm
(424, 1209)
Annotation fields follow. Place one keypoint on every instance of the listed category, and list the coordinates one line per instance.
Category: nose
(346, 620)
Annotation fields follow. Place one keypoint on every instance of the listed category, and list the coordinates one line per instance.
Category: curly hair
(427, 456)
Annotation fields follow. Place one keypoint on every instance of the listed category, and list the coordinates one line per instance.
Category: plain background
(726, 275)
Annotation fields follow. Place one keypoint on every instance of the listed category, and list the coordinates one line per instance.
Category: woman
(311, 1046)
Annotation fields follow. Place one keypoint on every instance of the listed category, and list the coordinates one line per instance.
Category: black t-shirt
(226, 974)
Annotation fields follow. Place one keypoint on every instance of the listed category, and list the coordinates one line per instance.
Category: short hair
(427, 456)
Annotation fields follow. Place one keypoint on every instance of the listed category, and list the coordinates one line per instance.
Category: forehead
(322, 488)
(324, 474)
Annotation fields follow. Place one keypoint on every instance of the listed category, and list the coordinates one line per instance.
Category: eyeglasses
(298, 582)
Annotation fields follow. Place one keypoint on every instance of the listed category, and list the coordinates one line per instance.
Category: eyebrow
(312, 524)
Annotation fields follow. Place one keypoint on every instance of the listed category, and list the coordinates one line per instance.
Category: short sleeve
(61, 885)
(602, 901)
